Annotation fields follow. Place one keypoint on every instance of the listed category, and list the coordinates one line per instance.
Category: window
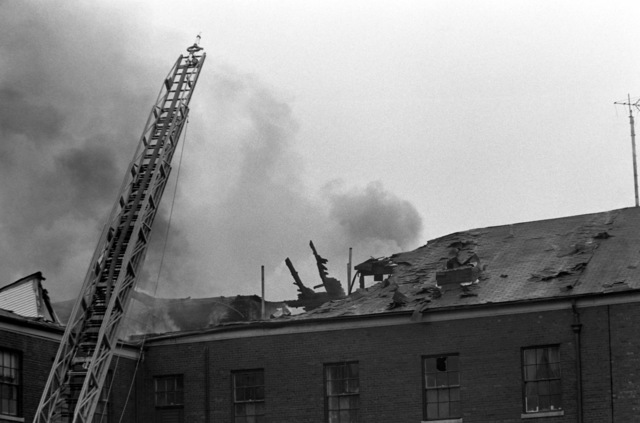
(9, 383)
(541, 376)
(342, 388)
(248, 396)
(169, 394)
(441, 387)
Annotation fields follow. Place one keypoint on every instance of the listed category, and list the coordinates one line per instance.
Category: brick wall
(625, 355)
(37, 357)
(390, 368)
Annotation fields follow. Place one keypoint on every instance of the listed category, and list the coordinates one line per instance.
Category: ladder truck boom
(80, 367)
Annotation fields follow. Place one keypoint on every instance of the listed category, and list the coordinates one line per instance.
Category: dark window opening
(10, 383)
(169, 399)
(342, 392)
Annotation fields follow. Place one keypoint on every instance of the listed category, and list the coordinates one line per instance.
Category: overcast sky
(376, 125)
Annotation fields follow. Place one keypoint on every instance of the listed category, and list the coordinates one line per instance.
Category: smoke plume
(66, 128)
(74, 95)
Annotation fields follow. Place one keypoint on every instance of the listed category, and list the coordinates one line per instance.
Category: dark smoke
(264, 213)
(73, 99)
(35, 121)
(66, 132)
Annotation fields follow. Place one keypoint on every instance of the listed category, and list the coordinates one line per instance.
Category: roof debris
(398, 300)
(455, 270)
(307, 297)
(554, 258)
(620, 285)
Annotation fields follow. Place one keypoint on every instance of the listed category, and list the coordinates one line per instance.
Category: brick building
(534, 321)
(29, 337)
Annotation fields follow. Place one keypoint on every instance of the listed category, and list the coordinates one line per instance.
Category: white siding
(21, 299)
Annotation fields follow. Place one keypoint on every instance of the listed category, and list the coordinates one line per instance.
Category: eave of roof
(407, 316)
(36, 275)
(10, 317)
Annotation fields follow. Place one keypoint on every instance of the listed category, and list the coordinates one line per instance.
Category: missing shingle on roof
(619, 285)
(429, 292)
(461, 245)
(398, 300)
(467, 290)
(581, 247)
(549, 274)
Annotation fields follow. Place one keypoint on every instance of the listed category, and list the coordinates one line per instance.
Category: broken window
(169, 398)
(342, 390)
(541, 376)
(441, 387)
(248, 396)
(10, 384)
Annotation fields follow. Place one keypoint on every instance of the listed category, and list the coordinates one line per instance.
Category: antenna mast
(633, 141)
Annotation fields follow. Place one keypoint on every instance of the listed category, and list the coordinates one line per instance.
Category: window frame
(179, 388)
(17, 385)
(426, 388)
(235, 401)
(352, 395)
(526, 381)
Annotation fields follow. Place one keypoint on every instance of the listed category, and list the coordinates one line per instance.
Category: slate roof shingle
(554, 258)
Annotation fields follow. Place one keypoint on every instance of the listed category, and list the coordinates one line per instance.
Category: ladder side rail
(125, 221)
(104, 355)
(149, 148)
(58, 379)
(90, 385)
(73, 328)
(154, 182)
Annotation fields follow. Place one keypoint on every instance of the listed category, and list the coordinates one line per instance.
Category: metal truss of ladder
(81, 365)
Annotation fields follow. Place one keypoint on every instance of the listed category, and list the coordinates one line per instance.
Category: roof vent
(458, 275)
(459, 271)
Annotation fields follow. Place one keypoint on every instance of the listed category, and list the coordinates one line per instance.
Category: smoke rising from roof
(374, 214)
(69, 124)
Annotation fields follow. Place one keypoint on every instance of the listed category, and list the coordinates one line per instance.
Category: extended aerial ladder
(80, 368)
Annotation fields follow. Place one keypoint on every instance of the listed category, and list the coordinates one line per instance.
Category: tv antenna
(633, 140)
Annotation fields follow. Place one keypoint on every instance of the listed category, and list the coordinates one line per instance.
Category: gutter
(17, 319)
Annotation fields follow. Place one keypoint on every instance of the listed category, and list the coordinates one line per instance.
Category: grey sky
(426, 117)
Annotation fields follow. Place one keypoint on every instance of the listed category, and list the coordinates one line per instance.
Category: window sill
(4, 418)
(542, 414)
(443, 421)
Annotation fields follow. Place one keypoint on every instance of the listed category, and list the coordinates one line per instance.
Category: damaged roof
(564, 257)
